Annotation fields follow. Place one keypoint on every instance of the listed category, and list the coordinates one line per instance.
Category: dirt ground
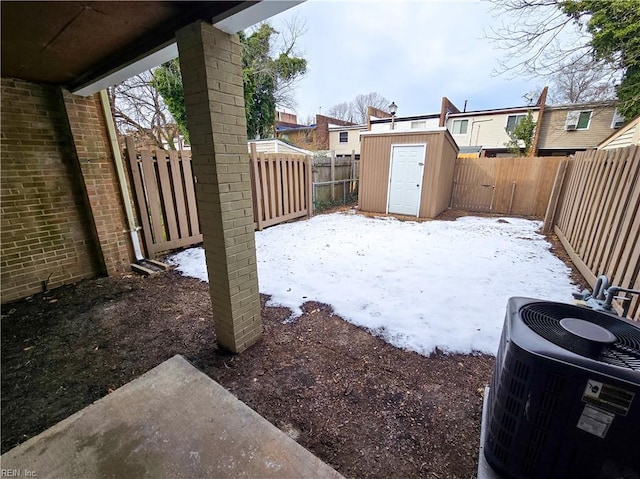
(360, 404)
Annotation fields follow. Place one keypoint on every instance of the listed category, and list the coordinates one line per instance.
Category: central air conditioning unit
(564, 400)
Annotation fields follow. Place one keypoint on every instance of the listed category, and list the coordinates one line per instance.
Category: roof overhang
(404, 132)
(498, 111)
(351, 127)
(89, 45)
(429, 116)
(585, 105)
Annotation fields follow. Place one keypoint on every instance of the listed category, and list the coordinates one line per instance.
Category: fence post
(309, 188)
(550, 215)
(333, 175)
(257, 189)
(352, 183)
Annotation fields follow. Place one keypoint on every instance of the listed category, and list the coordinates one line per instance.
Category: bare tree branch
(537, 37)
(341, 111)
(139, 108)
(583, 80)
(356, 110)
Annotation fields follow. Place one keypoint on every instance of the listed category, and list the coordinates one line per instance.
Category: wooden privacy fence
(519, 186)
(281, 187)
(335, 179)
(165, 196)
(597, 216)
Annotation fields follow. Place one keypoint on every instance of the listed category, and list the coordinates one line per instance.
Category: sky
(417, 285)
(411, 52)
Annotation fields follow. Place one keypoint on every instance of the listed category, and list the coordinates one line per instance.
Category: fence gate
(165, 196)
(281, 186)
(474, 184)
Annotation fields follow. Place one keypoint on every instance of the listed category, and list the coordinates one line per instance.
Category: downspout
(122, 179)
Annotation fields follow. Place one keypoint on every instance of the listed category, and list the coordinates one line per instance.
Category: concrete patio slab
(172, 422)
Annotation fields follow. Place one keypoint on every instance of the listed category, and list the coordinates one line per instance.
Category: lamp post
(393, 108)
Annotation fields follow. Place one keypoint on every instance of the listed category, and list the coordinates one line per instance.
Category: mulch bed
(365, 407)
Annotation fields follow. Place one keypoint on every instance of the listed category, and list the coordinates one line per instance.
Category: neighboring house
(487, 129)
(274, 145)
(345, 140)
(627, 135)
(565, 129)
(407, 123)
(311, 137)
(302, 136)
(284, 119)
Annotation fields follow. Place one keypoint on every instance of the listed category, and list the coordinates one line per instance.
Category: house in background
(285, 119)
(406, 123)
(486, 130)
(345, 140)
(566, 129)
(627, 135)
(313, 137)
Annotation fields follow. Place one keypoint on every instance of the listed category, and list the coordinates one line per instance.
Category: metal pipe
(611, 293)
(321, 183)
(602, 284)
(122, 179)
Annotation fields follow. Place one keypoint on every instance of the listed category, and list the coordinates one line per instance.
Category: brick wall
(89, 134)
(322, 130)
(46, 230)
(62, 212)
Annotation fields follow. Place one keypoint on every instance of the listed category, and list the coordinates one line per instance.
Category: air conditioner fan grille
(544, 319)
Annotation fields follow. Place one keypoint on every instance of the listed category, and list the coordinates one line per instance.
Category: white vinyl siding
(407, 125)
(486, 130)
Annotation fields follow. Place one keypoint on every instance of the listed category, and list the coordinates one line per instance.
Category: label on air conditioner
(595, 421)
(607, 397)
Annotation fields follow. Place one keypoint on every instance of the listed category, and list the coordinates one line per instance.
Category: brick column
(93, 152)
(210, 61)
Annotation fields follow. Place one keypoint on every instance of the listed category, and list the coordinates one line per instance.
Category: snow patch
(419, 286)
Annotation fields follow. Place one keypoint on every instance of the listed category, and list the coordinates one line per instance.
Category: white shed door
(405, 183)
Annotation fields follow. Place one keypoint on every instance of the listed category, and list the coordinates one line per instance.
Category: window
(460, 127)
(418, 124)
(344, 137)
(512, 121)
(618, 119)
(578, 120)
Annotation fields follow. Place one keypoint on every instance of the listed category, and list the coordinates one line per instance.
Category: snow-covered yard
(419, 286)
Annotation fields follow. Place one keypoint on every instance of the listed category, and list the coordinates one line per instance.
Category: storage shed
(407, 172)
